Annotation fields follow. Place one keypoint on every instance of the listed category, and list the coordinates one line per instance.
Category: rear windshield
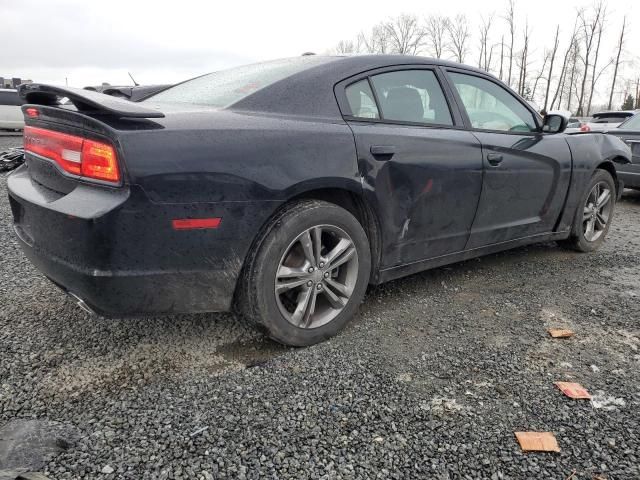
(224, 88)
(610, 117)
(632, 124)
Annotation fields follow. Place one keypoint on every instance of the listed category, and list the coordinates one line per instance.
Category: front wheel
(307, 275)
(594, 214)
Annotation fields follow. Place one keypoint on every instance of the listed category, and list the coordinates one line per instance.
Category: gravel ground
(429, 381)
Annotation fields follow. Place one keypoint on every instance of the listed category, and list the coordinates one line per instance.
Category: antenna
(133, 79)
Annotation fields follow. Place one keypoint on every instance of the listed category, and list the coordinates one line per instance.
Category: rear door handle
(383, 152)
(494, 159)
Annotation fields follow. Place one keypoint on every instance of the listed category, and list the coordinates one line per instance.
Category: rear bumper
(117, 252)
(131, 293)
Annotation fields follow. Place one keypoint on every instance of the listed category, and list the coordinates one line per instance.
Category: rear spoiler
(85, 101)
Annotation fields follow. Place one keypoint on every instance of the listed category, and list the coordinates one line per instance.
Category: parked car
(11, 117)
(629, 132)
(576, 125)
(282, 189)
(603, 121)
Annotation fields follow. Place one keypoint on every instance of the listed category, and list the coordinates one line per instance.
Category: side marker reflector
(195, 223)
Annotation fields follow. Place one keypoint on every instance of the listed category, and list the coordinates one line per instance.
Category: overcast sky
(89, 42)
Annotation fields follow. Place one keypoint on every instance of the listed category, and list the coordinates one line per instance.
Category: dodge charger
(281, 190)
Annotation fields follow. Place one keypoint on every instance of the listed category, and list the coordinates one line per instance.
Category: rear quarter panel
(227, 156)
(237, 166)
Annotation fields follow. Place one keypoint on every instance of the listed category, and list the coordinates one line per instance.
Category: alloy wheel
(316, 276)
(597, 211)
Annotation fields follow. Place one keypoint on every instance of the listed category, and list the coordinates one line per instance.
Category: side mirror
(554, 123)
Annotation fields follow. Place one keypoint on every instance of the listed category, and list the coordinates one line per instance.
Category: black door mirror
(554, 123)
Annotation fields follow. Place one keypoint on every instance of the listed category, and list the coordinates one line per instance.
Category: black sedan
(282, 189)
(629, 132)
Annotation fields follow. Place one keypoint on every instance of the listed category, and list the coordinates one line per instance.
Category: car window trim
(343, 104)
(463, 110)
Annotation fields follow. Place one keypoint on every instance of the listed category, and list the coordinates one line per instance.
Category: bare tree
(524, 61)
(346, 47)
(377, 41)
(589, 28)
(556, 42)
(596, 77)
(436, 28)
(575, 74)
(617, 62)
(601, 24)
(486, 51)
(458, 30)
(501, 57)
(405, 34)
(510, 19)
(539, 76)
(565, 67)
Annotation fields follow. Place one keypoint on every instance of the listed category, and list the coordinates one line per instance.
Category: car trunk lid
(78, 141)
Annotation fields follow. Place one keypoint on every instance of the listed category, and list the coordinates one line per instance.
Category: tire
(582, 239)
(333, 282)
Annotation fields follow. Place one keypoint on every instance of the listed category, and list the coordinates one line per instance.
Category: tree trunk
(553, 58)
(511, 20)
(573, 73)
(595, 62)
(617, 64)
(501, 57)
(589, 31)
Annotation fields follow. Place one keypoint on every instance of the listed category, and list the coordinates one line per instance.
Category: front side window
(490, 106)
(412, 96)
(361, 100)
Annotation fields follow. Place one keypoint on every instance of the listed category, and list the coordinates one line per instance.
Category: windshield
(632, 124)
(224, 88)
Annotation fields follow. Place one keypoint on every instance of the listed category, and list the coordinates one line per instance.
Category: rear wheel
(594, 213)
(308, 275)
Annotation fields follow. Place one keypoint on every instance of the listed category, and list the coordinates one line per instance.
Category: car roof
(310, 91)
(382, 60)
(616, 112)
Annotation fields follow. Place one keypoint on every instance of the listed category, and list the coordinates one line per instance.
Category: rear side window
(222, 89)
(491, 107)
(412, 96)
(361, 100)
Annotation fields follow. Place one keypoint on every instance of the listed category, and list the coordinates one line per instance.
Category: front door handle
(494, 159)
(383, 152)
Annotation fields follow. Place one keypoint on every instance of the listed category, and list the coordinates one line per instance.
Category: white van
(11, 117)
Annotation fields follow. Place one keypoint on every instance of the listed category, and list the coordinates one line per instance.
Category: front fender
(589, 152)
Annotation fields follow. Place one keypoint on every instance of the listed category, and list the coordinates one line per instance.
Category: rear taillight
(585, 128)
(75, 155)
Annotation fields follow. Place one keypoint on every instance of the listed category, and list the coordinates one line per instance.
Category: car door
(526, 172)
(419, 166)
